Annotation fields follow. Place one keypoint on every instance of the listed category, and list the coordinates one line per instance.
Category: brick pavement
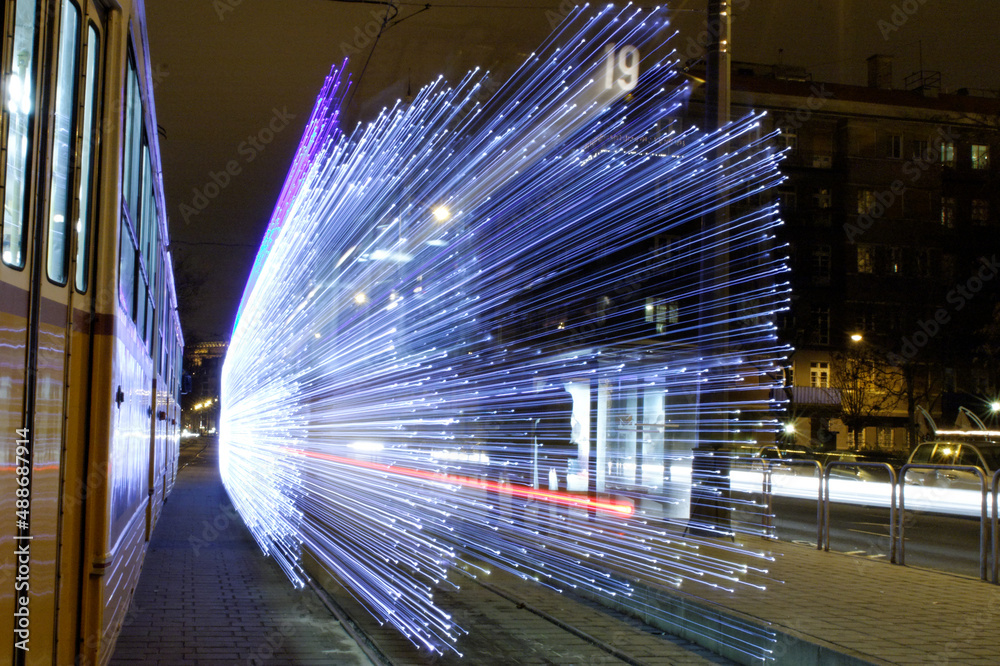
(208, 596)
(833, 608)
(875, 611)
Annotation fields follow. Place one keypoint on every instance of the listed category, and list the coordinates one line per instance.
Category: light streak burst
(490, 332)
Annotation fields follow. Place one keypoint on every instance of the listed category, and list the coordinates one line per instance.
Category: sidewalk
(832, 608)
(879, 612)
(207, 595)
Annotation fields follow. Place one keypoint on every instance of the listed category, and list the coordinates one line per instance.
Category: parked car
(785, 452)
(848, 471)
(985, 455)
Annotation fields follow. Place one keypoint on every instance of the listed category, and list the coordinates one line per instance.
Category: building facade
(891, 216)
(203, 363)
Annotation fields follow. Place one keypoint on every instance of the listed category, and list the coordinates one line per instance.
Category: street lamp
(856, 337)
(441, 213)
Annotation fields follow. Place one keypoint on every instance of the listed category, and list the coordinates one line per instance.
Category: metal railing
(989, 518)
(996, 536)
(825, 501)
(978, 471)
(767, 465)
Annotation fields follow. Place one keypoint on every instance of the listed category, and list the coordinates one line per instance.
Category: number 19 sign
(621, 67)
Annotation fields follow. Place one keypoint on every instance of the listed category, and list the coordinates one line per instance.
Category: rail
(989, 522)
(892, 500)
(996, 548)
(982, 517)
(767, 465)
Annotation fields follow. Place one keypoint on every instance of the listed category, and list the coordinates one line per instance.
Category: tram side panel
(35, 459)
(13, 344)
(126, 394)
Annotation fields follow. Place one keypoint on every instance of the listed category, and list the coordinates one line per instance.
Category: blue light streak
(490, 333)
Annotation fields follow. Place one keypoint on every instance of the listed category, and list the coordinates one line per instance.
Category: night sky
(237, 80)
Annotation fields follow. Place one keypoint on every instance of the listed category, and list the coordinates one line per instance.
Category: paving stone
(218, 602)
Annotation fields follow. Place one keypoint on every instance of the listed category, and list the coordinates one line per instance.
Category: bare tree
(918, 384)
(865, 382)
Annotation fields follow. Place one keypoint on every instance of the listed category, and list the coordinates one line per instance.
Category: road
(935, 541)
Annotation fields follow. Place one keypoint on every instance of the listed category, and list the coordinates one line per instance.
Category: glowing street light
(441, 213)
(856, 337)
(995, 406)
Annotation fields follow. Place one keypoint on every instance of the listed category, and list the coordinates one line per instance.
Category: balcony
(815, 396)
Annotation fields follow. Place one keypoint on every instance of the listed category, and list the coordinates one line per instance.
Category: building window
(883, 437)
(896, 260)
(948, 266)
(823, 198)
(980, 211)
(920, 151)
(866, 199)
(948, 212)
(660, 313)
(980, 156)
(923, 262)
(866, 258)
(819, 374)
(948, 153)
(895, 146)
(821, 325)
(821, 263)
(866, 320)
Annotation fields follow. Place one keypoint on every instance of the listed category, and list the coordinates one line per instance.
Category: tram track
(513, 621)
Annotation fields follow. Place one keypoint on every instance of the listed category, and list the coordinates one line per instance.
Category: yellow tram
(90, 343)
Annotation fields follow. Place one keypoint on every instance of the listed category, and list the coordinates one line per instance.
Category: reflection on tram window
(19, 107)
(86, 157)
(59, 196)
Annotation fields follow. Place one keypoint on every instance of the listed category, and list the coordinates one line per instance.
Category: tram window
(133, 140)
(62, 149)
(86, 160)
(126, 270)
(140, 212)
(147, 328)
(140, 303)
(20, 96)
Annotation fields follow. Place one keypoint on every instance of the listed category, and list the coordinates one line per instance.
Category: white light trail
(490, 334)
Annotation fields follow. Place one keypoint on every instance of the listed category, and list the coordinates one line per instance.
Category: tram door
(50, 64)
(19, 143)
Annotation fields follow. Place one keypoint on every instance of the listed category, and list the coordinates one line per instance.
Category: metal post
(710, 468)
(993, 525)
(983, 519)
